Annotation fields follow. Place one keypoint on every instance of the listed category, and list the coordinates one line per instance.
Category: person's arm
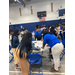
(38, 30)
(19, 46)
(34, 48)
(14, 41)
(10, 37)
(36, 34)
(55, 32)
(43, 45)
(44, 41)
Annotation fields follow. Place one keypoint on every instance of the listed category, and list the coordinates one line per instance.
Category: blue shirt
(38, 33)
(63, 42)
(60, 27)
(51, 40)
(63, 29)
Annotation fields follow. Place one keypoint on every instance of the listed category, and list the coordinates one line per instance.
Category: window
(51, 7)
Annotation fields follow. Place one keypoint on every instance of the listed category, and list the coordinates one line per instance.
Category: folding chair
(11, 54)
(35, 58)
(62, 53)
(33, 39)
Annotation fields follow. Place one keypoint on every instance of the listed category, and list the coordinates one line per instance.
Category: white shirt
(10, 38)
(43, 28)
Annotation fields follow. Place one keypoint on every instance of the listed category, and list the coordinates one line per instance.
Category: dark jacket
(15, 42)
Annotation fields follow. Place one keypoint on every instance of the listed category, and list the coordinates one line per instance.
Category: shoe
(58, 67)
(18, 67)
(52, 68)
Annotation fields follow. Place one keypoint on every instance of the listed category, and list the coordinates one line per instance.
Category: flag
(41, 18)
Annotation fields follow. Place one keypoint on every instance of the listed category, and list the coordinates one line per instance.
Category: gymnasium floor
(35, 70)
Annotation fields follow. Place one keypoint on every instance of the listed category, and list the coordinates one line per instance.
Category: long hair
(16, 32)
(26, 42)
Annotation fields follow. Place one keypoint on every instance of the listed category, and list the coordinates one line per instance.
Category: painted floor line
(37, 72)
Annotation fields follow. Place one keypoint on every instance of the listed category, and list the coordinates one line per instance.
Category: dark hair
(10, 30)
(60, 23)
(56, 25)
(37, 26)
(52, 28)
(45, 31)
(26, 42)
(49, 26)
(16, 32)
(63, 24)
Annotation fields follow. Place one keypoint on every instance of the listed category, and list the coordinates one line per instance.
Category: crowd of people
(53, 35)
(57, 30)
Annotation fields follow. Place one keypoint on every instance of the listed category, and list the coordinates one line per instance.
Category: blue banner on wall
(61, 12)
(31, 26)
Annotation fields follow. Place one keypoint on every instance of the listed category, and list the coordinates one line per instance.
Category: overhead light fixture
(15, 0)
(19, 2)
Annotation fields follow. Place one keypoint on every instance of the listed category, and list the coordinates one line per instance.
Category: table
(39, 44)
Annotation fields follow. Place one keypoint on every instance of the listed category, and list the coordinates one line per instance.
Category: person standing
(10, 35)
(14, 44)
(52, 30)
(38, 33)
(49, 27)
(24, 31)
(56, 48)
(23, 50)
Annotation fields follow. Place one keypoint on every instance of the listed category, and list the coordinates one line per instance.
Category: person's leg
(56, 60)
(56, 51)
(24, 63)
(15, 58)
(50, 54)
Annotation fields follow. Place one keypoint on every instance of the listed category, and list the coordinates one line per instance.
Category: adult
(43, 27)
(60, 26)
(23, 50)
(14, 44)
(52, 30)
(38, 34)
(36, 26)
(10, 35)
(63, 30)
(24, 31)
(56, 48)
(49, 27)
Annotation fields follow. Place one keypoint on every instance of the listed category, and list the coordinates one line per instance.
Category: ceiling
(15, 2)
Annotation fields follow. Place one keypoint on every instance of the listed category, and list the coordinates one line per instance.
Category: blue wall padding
(61, 12)
(31, 26)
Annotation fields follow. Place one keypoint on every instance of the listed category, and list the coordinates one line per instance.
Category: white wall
(38, 5)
